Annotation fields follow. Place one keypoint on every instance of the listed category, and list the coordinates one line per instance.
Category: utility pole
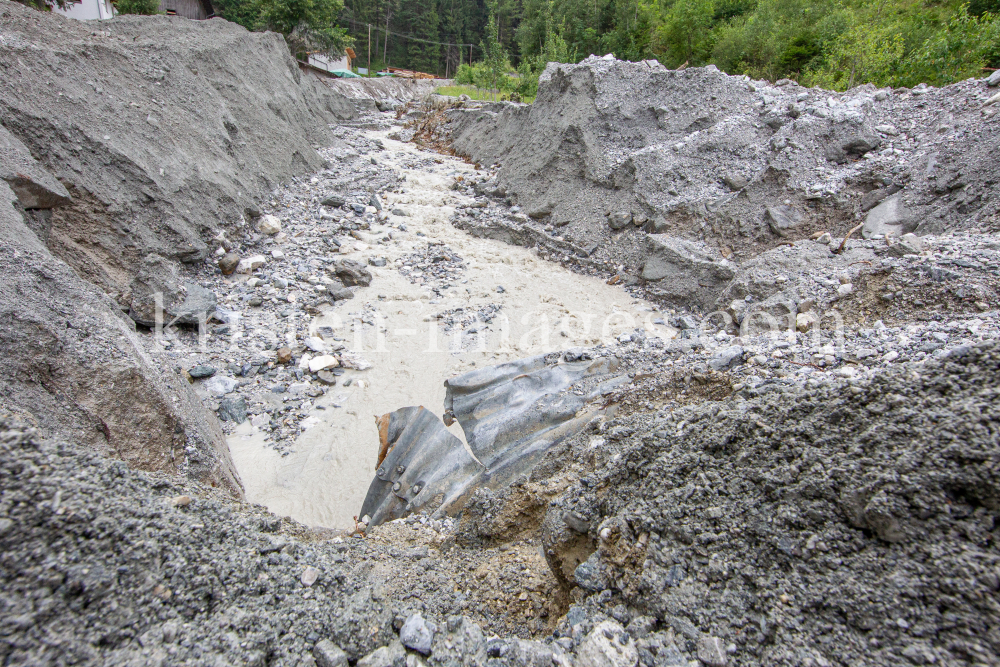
(369, 49)
(385, 48)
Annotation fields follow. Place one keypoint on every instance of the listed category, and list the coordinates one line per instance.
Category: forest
(836, 44)
(832, 43)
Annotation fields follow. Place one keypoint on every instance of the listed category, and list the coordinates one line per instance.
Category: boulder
(993, 79)
(685, 271)
(417, 634)
(908, 244)
(228, 263)
(783, 219)
(161, 296)
(352, 273)
(269, 224)
(334, 200)
(619, 219)
(328, 654)
(890, 218)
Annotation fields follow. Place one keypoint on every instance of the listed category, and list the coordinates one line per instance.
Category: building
(189, 9)
(89, 10)
(331, 64)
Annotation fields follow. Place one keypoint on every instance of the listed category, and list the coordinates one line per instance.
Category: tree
(144, 7)
(309, 26)
(684, 34)
(495, 56)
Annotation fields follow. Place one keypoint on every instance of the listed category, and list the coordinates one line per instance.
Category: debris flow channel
(442, 303)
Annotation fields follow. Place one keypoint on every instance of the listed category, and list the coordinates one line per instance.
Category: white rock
(805, 321)
(323, 362)
(890, 356)
(604, 647)
(260, 421)
(845, 289)
(315, 343)
(354, 361)
(269, 225)
(251, 264)
(277, 254)
(220, 385)
(309, 576)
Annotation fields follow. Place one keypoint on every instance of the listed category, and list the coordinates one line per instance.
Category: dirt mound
(165, 131)
(610, 148)
(834, 523)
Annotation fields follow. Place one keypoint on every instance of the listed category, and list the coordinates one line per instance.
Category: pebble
(201, 372)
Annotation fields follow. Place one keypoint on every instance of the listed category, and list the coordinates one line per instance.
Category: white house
(87, 10)
(328, 63)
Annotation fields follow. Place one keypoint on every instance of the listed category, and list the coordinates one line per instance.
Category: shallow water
(544, 307)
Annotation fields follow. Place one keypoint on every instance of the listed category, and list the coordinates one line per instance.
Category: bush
(143, 7)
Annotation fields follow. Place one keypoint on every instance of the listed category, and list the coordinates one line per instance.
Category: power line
(356, 24)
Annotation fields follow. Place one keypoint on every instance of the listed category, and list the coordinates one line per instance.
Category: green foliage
(144, 7)
(684, 33)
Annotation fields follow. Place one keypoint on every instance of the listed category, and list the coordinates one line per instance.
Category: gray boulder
(890, 218)
(589, 575)
(417, 634)
(993, 79)
(728, 358)
(159, 287)
(685, 271)
(328, 654)
(352, 273)
(783, 219)
(384, 656)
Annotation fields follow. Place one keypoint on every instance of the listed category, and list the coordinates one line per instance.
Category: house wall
(87, 10)
(328, 63)
(191, 9)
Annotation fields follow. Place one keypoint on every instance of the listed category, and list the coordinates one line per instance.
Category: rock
(887, 129)
(201, 372)
(33, 186)
(589, 575)
(845, 289)
(619, 219)
(712, 651)
(685, 271)
(824, 238)
(728, 358)
(783, 219)
(805, 321)
(607, 645)
(908, 244)
(352, 273)
(993, 79)
(888, 218)
(377, 261)
(228, 263)
(871, 199)
(250, 264)
(309, 576)
(334, 200)
(531, 653)
(400, 212)
(283, 355)
(341, 294)
(315, 343)
(233, 410)
(375, 201)
(416, 634)
(384, 656)
(328, 654)
(323, 362)
(854, 146)
(159, 295)
(220, 385)
(269, 224)
(354, 361)
(735, 181)
(326, 377)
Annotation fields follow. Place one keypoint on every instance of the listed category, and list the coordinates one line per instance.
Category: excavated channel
(501, 303)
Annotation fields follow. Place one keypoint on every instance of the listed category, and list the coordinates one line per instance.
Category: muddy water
(543, 308)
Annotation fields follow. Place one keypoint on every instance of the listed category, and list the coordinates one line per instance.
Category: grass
(475, 93)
